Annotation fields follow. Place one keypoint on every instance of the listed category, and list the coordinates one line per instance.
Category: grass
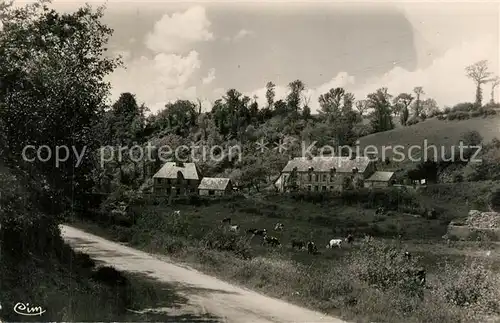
(437, 132)
(342, 282)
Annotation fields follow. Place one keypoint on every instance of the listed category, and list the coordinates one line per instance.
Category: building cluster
(314, 174)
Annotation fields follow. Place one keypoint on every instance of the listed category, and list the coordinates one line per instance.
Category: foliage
(381, 119)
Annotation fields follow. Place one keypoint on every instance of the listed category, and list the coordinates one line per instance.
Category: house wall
(376, 184)
(161, 186)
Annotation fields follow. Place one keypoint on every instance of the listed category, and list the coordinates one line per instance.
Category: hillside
(437, 132)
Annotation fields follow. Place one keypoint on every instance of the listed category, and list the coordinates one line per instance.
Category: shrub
(412, 121)
(221, 240)
(463, 107)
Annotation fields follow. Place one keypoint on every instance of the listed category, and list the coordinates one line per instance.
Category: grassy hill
(437, 132)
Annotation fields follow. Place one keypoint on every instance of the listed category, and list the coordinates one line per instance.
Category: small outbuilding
(211, 186)
(379, 180)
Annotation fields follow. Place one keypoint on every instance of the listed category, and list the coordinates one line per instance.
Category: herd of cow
(310, 246)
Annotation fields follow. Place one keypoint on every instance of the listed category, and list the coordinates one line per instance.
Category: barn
(211, 186)
(379, 180)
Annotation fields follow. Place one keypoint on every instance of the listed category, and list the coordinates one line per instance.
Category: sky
(180, 50)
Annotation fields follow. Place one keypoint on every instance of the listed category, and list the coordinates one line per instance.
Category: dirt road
(229, 302)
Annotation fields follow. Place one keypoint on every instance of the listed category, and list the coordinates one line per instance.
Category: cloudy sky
(186, 50)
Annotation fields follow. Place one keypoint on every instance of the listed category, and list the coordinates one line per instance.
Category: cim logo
(26, 310)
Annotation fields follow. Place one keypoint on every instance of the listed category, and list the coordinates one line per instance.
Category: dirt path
(206, 294)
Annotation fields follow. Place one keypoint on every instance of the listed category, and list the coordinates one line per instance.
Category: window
(323, 188)
(211, 192)
(332, 178)
(309, 177)
(316, 188)
(324, 178)
(331, 188)
(316, 177)
(309, 188)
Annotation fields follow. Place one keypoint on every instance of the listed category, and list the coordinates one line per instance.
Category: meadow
(362, 282)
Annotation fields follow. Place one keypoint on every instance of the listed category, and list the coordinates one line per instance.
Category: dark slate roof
(325, 164)
(211, 183)
(170, 169)
(381, 177)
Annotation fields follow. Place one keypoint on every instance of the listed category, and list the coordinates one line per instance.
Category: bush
(463, 107)
(221, 240)
(412, 121)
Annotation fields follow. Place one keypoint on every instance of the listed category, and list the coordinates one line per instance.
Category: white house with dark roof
(212, 186)
(177, 178)
(380, 180)
(325, 173)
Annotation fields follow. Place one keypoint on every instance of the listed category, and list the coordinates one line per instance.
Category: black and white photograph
(250, 161)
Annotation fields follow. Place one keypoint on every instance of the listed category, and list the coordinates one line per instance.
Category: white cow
(177, 213)
(234, 228)
(278, 227)
(334, 243)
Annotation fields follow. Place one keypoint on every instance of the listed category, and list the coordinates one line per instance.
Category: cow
(334, 243)
(234, 228)
(349, 238)
(251, 231)
(278, 227)
(271, 240)
(407, 255)
(311, 248)
(226, 220)
(177, 212)
(298, 244)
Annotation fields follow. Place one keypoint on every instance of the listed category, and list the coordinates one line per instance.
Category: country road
(228, 302)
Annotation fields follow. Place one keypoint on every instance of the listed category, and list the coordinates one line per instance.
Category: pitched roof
(324, 164)
(170, 169)
(380, 177)
(211, 183)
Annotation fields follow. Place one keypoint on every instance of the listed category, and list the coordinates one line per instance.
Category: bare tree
(419, 91)
(362, 106)
(479, 73)
(494, 83)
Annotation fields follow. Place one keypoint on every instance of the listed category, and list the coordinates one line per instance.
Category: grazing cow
(311, 248)
(278, 227)
(407, 255)
(349, 238)
(226, 220)
(334, 243)
(234, 228)
(271, 240)
(177, 213)
(298, 244)
(420, 275)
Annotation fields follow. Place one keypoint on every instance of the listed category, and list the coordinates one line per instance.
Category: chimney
(354, 170)
(353, 155)
(179, 164)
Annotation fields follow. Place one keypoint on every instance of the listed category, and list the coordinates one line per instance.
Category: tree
(401, 103)
(381, 119)
(478, 72)
(429, 106)
(270, 94)
(405, 114)
(419, 91)
(362, 106)
(494, 83)
(293, 98)
(306, 111)
(52, 71)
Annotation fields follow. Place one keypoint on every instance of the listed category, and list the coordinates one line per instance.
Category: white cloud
(159, 80)
(243, 33)
(210, 77)
(180, 30)
(444, 79)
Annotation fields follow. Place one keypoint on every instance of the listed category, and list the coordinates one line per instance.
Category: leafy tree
(381, 119)
(478, 72)
(293, 98)
(419, 91)
(270, 94)
(402, 102)
(52, 70)
(429, 107)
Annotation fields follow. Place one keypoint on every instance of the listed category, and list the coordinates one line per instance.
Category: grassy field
(335, 281)
(437, 132)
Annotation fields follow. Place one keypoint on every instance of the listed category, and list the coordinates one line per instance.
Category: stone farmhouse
(180, 179)
(331, 174)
